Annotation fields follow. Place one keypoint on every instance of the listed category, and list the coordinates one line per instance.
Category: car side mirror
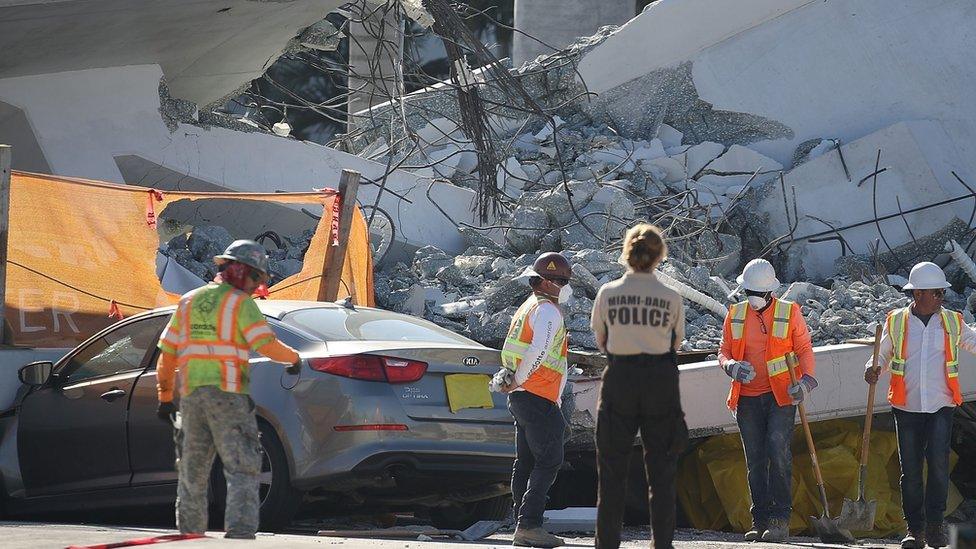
(36, 374)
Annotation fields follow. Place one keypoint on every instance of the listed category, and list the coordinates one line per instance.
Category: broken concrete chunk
(451, 275)
(551, 242)
(597, 262)
(429, 260)
(699, 156)
(473, 265)
(479, 239)
(672, 171)
(669, 136)
(511, 178)
(208, 241)
(584, 279)
(547, 130)
(508, 294)
(529, 225)
(460, 310)
(437, 132)
(742, 160)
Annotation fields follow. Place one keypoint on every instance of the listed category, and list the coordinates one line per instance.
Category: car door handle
(113, 395)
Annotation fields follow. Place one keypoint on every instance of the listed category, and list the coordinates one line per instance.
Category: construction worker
(920, 346)
(758, 334)
(208, 339)
(639, 323)
(535, 358)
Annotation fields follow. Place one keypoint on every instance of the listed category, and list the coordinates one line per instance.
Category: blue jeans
(539, 428)
(924, 436)
(767, 429)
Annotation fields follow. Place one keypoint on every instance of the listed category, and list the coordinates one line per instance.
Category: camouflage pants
(214, 420)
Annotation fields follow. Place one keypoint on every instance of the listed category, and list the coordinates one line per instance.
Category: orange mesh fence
(76, 246)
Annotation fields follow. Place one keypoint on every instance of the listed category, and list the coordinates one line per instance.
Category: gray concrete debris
(532, 225)
(507, 294)
(478, 239)
(208, 241)
(585, 281)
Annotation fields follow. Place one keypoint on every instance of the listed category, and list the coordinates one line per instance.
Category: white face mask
(757, 302)
(565, 294)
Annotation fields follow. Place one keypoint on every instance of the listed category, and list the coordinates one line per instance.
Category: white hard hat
(926, 276)
(758, 276)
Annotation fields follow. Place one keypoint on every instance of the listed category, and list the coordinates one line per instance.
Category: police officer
(534, 358)
(208, 339)
(640, 324)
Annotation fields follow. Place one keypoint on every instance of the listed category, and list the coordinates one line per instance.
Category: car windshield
(370, 325)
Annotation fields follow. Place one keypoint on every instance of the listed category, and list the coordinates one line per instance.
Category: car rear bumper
(422, 478)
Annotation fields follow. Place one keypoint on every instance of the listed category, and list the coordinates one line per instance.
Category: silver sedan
(367, 423)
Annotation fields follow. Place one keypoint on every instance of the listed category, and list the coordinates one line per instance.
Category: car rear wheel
(462, 515)
(278, 499)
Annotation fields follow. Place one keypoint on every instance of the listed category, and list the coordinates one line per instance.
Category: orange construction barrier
(79, 248)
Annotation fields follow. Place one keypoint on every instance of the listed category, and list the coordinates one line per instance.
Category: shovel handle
(791, 365)
(869, 415)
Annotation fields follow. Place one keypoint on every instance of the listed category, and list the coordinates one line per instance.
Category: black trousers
(539, 428)
(639, 393)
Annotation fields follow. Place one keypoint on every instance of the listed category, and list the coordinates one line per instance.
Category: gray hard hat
(247, 252)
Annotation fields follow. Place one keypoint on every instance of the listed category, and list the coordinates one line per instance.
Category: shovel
(827, 528)
(859, 515)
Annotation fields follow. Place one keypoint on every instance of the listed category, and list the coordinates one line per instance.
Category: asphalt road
(47, 535)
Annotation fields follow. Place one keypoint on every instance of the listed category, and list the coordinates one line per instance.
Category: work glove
(503, 378)
(799, 390)
(295, 369)
(165, 411)
(740, 371)
(871, 375)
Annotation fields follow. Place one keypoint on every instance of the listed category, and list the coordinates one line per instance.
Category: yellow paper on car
(468, 391)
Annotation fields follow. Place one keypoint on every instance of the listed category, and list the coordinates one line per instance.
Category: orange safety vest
(898, 332)
(547, 380)
(778, 345)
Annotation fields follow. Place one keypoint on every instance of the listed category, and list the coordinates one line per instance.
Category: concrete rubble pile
(195, 250)
(575, 182)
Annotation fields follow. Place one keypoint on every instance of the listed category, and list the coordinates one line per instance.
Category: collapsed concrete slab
(775, 73)
(917, 159)
(84, 120)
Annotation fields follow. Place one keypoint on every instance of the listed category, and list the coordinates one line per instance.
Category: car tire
(460, 516)
(279, 500)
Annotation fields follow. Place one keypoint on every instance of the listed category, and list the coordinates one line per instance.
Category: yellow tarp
(76, 245)
(714, 493)
(468, 391)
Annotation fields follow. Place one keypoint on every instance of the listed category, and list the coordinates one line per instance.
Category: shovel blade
(482, 529)
(830, 531)
(858, 515)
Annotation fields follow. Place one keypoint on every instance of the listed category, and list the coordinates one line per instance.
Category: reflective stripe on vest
(898, 332)
(778, 345)
(546, 381)
(213, 351)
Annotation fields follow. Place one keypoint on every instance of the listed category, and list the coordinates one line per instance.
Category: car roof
(279, 308)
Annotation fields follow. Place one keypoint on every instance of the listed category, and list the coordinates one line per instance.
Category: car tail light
(371, 368)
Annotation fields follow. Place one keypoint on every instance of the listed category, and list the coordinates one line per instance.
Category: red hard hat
(552, 265)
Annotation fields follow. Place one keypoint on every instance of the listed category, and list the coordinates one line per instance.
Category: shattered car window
(370, 325)
(117, 351)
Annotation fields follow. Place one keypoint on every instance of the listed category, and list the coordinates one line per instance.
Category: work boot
(777, 530)
(935, 535)
(239, 535)
(913, 540)
(755, 533)
(535, 537)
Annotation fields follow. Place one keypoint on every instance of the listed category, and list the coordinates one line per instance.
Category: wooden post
(5, 159)
(335, 259)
